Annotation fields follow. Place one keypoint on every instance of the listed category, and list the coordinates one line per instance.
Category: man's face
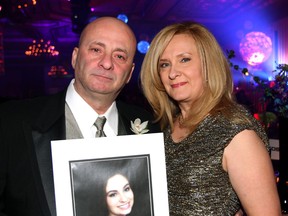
(103, 63)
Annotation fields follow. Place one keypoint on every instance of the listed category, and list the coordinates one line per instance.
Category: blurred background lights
(92, 18)
(41, 48)
(255, 48)
(143, 46)
(123, 17)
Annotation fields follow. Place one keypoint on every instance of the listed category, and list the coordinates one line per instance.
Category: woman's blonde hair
(217, 78)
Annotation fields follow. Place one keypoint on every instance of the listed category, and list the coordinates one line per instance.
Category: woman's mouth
(178, 84)
(125, 206)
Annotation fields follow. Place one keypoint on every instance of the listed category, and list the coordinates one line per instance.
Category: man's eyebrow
(119, 49)
(98, 43)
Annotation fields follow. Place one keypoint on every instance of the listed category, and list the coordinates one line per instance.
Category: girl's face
(180, 69)
(119, 196)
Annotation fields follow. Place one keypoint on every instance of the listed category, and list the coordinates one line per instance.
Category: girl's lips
(178, 84)
(125, 206)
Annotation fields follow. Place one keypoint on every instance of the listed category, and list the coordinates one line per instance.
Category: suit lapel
(123, 119)
(42, 143)
(128, 113)
(49, 126)
(123, 128)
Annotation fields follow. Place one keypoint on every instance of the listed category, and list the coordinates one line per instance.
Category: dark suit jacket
(26, 129)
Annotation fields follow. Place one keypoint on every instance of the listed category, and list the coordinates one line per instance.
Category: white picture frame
(78, 166)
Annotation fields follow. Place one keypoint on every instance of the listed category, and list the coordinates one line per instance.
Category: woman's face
(180, 69)
(119, 196)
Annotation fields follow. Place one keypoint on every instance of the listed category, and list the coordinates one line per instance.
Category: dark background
(60, 21)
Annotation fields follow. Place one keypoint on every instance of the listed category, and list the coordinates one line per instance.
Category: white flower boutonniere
(139, 128)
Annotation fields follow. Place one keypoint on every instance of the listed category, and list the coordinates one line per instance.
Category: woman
(216, 152)
(112, 188)
(119, 195)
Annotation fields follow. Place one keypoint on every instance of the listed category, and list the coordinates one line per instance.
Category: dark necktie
(99, 123)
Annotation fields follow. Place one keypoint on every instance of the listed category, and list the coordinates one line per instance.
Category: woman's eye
(164, 65)
(185, 59)
(112, 194)
(127, 189)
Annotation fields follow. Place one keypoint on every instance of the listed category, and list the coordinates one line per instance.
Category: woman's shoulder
(235, 115)
(241, 119)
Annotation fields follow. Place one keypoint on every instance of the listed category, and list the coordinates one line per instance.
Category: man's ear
(74, 56)
(131, 72)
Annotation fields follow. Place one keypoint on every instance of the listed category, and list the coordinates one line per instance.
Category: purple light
(123, 17)
(91, 19)
(255, 48)
(143, 46)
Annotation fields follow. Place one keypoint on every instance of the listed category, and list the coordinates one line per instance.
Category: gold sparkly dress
(197, 183)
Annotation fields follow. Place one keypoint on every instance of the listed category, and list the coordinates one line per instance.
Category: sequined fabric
(197, 183)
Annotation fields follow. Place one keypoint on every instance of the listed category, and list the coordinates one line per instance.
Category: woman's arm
(250, 170)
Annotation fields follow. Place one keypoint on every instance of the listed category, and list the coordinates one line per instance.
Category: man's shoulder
(29, 105)
(130, 112)
(132, 109)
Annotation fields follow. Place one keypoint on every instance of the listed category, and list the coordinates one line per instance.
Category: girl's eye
(185, 59)
(112, 194)
(127, 189)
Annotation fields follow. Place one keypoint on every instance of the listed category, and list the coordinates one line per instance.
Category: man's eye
(120, 57)
(185, 59)
(95, 49)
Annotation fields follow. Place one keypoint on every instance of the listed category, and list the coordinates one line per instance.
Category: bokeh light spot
(143, 46)
(123, 17)
(255, 48)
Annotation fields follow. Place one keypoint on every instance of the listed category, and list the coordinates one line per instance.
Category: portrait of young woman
(112, 187)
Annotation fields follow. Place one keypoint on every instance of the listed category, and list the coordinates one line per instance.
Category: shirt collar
(85, 115)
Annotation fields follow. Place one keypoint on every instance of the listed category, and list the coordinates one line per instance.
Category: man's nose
(106, 62)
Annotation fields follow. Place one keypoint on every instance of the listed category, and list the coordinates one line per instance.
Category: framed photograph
(123, 175)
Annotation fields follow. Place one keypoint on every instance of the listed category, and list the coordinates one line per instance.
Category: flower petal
(137, 127)
(137, 121)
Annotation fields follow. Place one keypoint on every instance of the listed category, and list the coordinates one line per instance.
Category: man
(103, 64)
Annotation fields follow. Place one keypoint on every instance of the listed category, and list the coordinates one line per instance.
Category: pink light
(256, 58)
(255, 48)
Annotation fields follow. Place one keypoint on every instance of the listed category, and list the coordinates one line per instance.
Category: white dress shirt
(85, 116)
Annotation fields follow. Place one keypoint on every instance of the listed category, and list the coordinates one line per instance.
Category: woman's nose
(106, 62)
(174, 73)
(123, 198)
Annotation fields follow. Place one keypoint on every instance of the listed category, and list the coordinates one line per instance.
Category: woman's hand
(240, 213)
